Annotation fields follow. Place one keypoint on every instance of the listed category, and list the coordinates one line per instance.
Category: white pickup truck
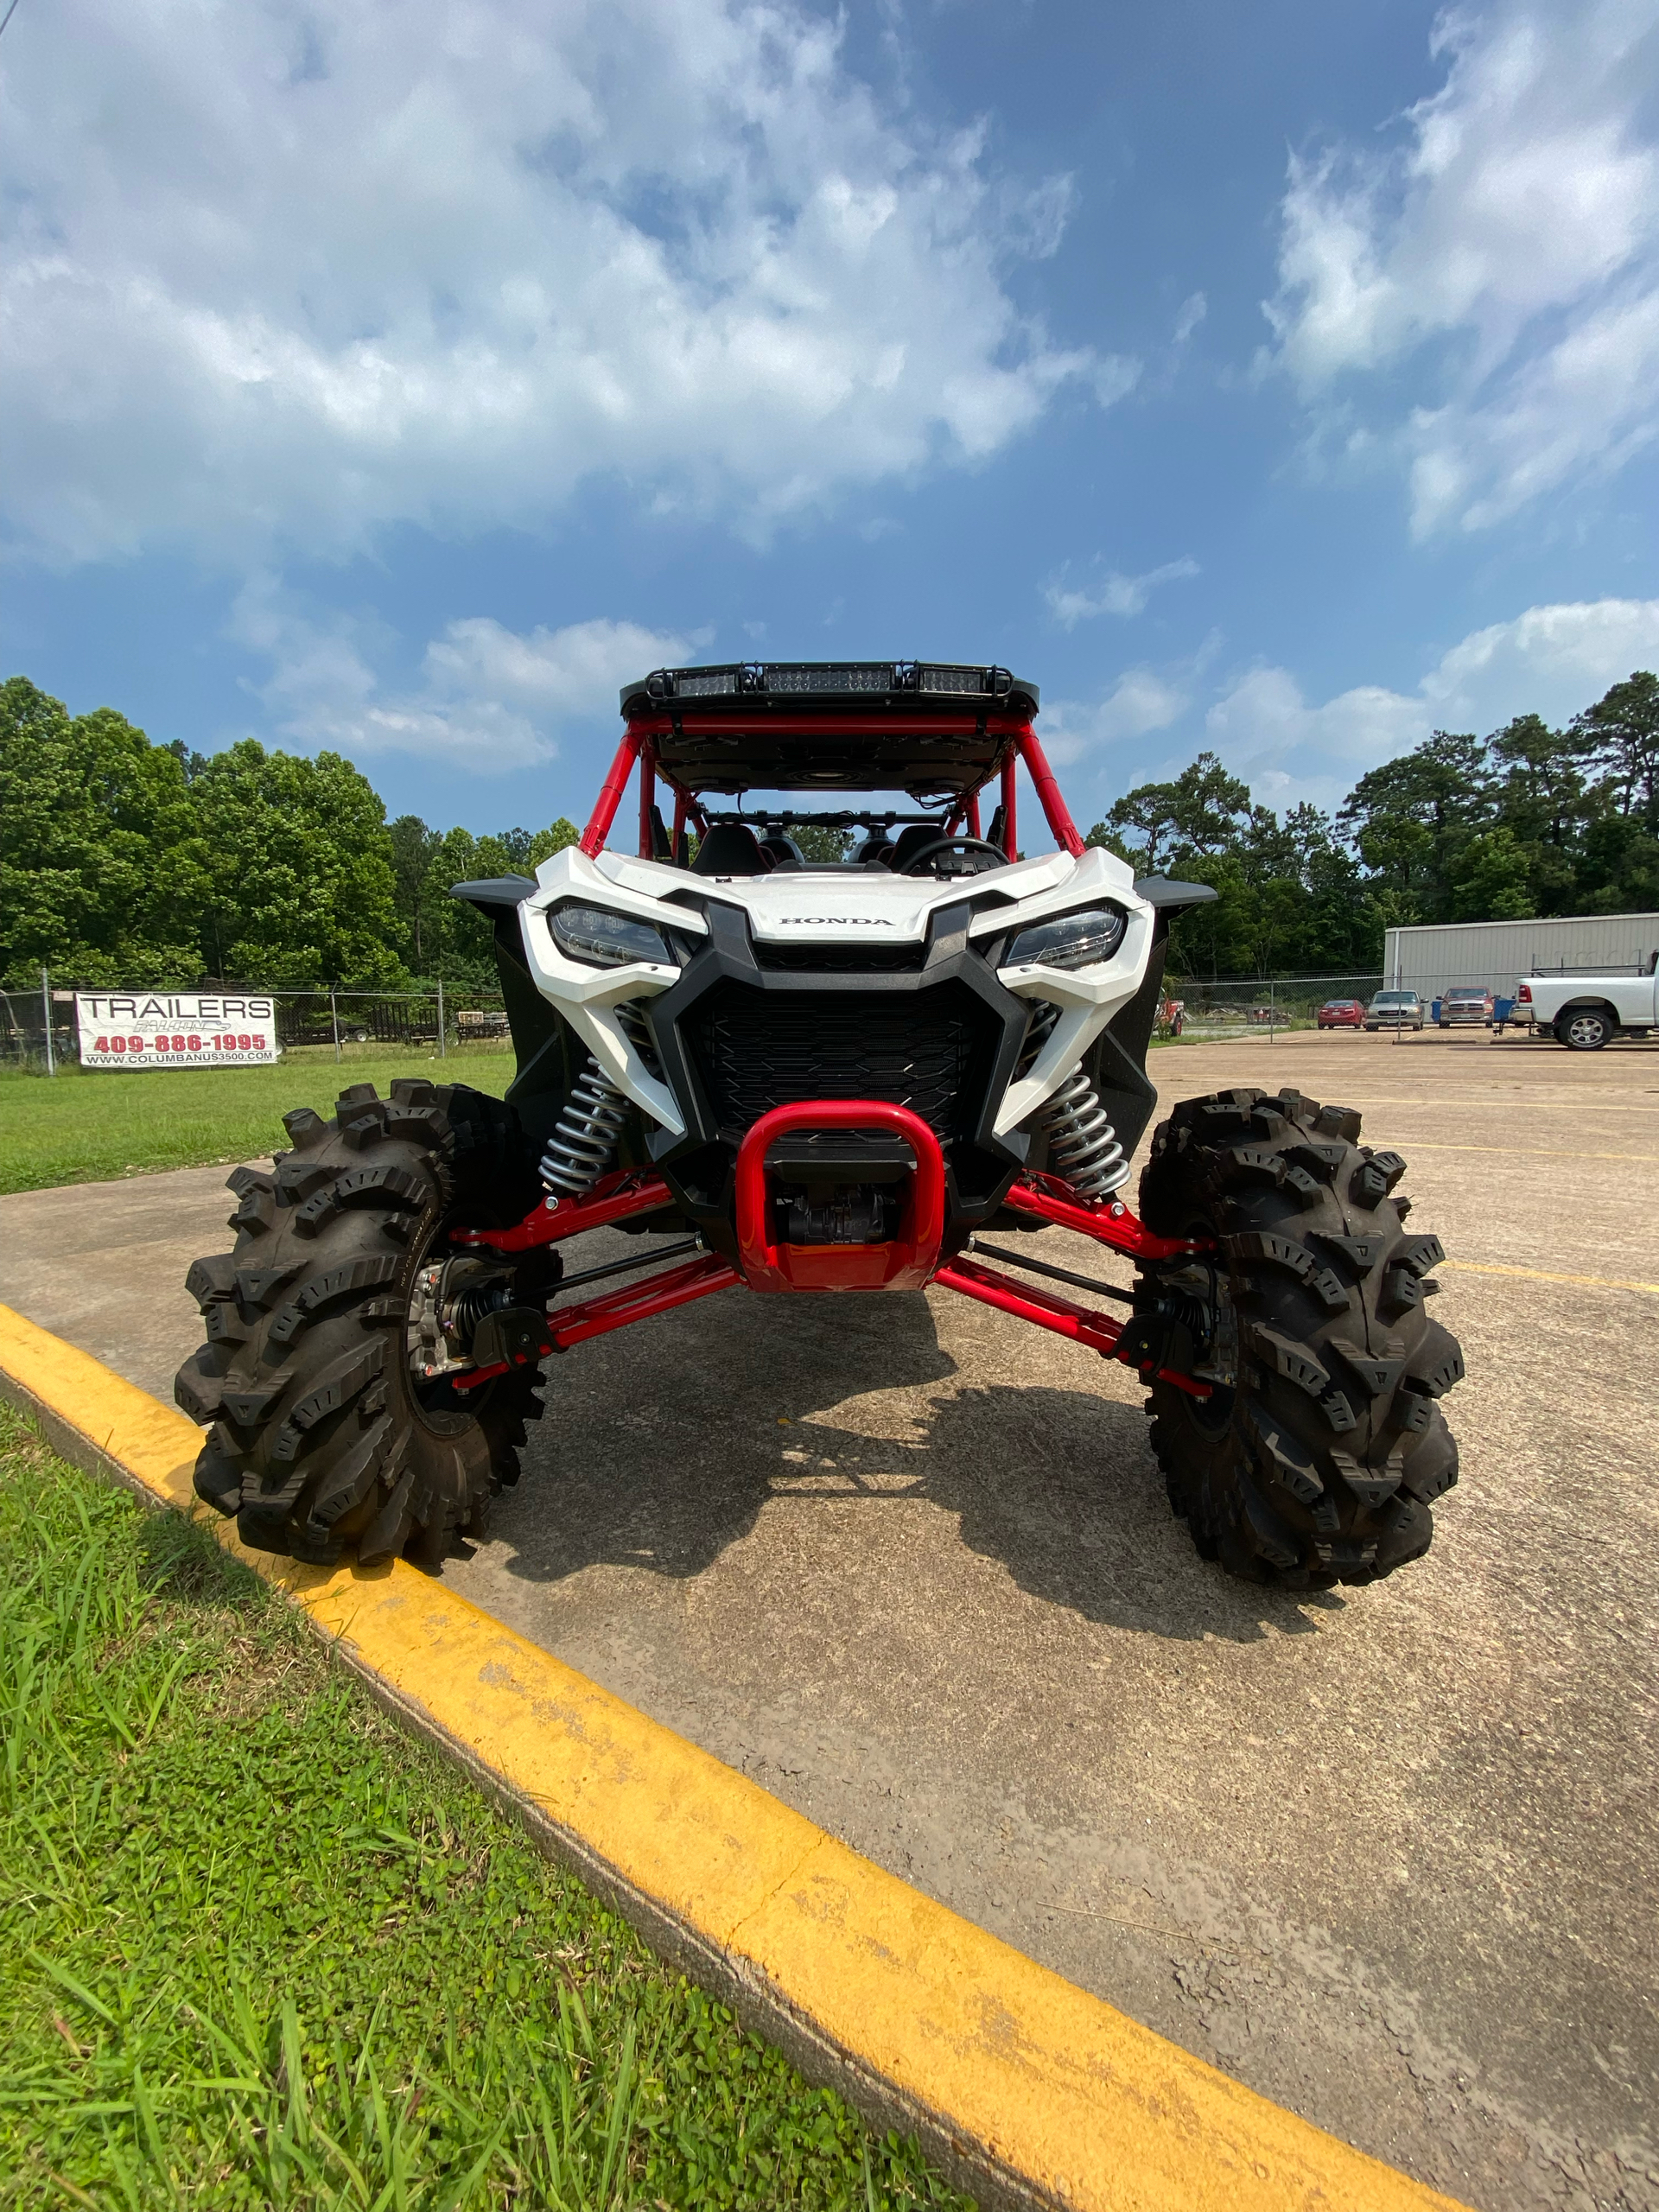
(1587, 1012)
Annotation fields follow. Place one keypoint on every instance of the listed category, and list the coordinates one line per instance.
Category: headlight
(1070, 940)
(601, 939)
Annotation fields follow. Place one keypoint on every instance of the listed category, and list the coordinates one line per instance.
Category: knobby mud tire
(1322, 1464)
(319, 1437)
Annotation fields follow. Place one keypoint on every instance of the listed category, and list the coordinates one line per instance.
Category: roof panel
(929, 728)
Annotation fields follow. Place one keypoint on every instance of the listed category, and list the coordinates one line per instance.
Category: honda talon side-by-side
(867, 1074)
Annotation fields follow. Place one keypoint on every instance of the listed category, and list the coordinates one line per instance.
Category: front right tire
(1321, 1449)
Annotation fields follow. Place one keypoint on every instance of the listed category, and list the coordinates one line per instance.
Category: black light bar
(895, 682)
(792, 818)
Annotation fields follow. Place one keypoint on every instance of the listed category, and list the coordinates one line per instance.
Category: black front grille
(840, 959)
(931, 1050)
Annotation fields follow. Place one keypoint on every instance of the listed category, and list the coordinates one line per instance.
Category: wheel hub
(448, 1300)
(1197, 1296)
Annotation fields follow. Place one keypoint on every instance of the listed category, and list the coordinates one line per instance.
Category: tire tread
(1336, 1448)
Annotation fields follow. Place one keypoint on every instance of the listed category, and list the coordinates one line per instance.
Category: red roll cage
(911, 1259)
(1019, 742)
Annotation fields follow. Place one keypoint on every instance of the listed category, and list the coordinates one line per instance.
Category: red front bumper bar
(767, 1263)
(906, 1262)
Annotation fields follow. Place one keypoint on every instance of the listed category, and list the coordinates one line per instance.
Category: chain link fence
(1257, 1005)
(1264, 1006)
(438, 1019)
(38, 1028)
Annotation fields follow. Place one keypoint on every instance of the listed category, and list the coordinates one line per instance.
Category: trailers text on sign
(175, 1029)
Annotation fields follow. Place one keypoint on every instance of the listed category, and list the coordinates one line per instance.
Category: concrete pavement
(1385, 1854)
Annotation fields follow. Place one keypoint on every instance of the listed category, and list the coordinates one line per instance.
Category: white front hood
(855, 909)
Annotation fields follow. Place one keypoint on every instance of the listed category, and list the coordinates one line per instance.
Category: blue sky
(400, 377)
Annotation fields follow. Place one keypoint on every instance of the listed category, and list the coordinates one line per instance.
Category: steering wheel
(972, 846)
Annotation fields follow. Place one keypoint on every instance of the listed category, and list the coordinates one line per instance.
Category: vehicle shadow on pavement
(660, 1451)
(1061, 1486)
(663, 1463)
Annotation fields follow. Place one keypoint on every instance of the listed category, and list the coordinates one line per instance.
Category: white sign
(175, 1029)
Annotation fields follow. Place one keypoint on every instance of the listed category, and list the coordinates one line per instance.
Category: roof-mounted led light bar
(884, 682)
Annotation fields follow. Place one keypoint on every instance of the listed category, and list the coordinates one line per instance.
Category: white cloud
(279, 274)
(1503, 265)
(489, 700)
(1140, 702)
(1193, 310)
(1114, 594)
(1287, 751)
(1550, 661)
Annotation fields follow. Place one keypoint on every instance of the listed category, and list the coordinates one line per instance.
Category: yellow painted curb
(1027, 2089)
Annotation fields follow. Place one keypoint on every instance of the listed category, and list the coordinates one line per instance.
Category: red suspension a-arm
(1113, 1224)
(615, 1196)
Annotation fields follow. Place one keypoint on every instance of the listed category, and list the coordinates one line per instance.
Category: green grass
(258, 1948)
(95, 1126)
(86, 1126)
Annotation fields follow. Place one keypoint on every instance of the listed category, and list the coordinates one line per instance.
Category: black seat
(781, 847)
(910, 842)
(730, 848)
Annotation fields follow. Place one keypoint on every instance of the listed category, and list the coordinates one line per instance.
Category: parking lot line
(1571, 1104)
(1532, 1152)
(1030, 2088)
(1540, 1274)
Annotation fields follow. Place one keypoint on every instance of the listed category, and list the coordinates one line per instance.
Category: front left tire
(322, 1433)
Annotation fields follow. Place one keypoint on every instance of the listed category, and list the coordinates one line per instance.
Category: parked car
(1587, 1012)
(1341, 1014)
(1394, 1010)
(1467, 1006)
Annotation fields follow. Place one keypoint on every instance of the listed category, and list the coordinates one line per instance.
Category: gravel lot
(1386, 1854)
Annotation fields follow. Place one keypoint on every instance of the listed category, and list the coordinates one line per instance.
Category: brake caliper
(456, 1309)
(1188, 1326)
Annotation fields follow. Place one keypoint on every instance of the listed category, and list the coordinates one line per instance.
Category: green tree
(1489, 879)
(1334, 936)
(1410, 818)
(101, 873)
(1541, 796)
(440, 935)
(1201, 812)
(413, 850)
(1543, 801)
(301, 887)
(1620, 736)
(818, 844)
(463, 940)
(1617, 863)
(545, 843)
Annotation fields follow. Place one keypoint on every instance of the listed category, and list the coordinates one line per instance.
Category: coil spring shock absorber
(1082, 1143)
(630, 1020)
(585, 1135)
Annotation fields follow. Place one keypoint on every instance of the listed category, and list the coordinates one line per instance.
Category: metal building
(1497, 954)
